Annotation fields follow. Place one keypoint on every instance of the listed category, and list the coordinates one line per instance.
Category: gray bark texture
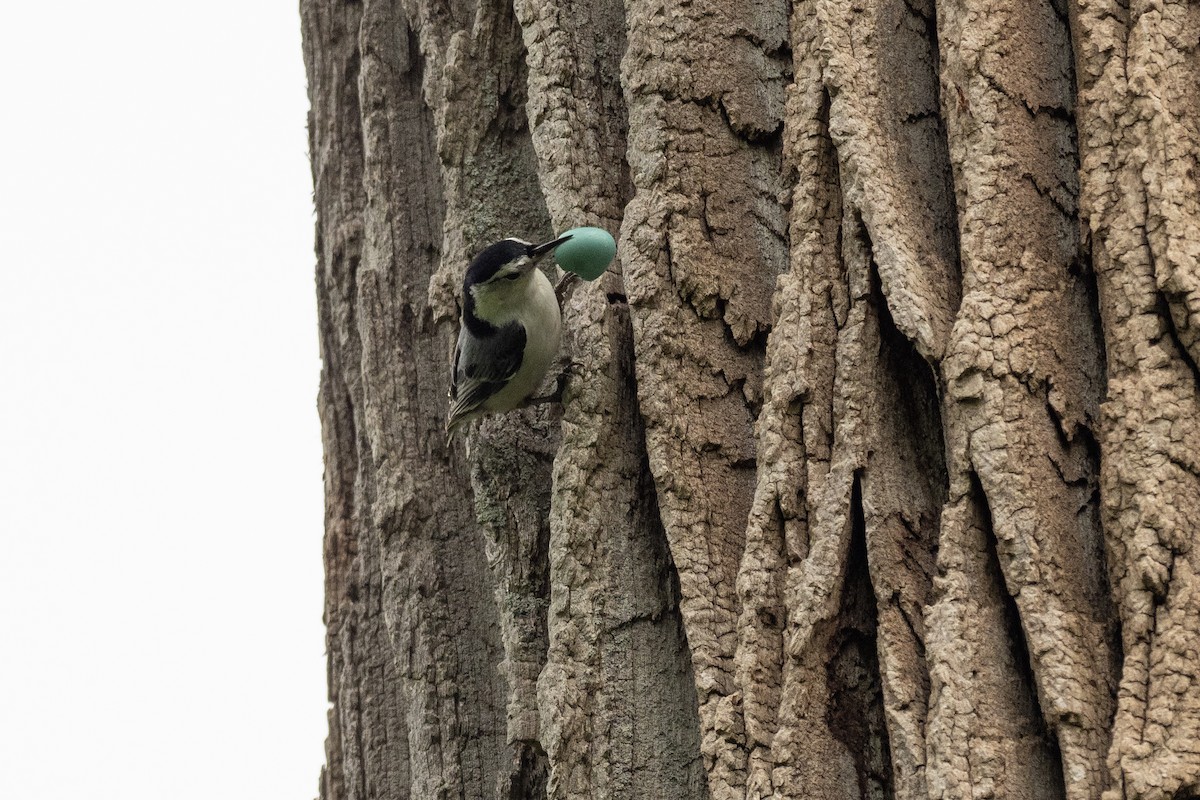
(877, 474)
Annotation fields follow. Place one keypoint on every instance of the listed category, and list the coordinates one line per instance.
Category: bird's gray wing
(482, 366)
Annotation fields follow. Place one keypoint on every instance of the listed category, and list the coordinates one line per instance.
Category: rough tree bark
(878, 473)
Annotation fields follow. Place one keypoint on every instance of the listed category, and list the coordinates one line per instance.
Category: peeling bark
(876, 473)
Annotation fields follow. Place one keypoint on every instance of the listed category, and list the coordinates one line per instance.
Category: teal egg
(587, 253)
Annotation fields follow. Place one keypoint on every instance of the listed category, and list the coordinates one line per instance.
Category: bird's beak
(538, 250)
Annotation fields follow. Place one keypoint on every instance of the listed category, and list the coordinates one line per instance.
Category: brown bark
(877, 473)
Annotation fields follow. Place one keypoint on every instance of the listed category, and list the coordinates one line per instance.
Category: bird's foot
(560, 386)
(564, 287)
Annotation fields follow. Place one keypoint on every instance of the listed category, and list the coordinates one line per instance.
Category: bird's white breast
(536, 309)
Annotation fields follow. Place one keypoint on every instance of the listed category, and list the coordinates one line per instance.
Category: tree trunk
(878, 471)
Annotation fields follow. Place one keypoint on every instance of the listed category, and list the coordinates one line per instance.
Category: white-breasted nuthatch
(509, 331)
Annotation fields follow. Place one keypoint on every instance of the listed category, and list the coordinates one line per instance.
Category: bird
(509, 330)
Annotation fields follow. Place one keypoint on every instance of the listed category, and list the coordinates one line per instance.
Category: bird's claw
(560, 388)
(564, 287)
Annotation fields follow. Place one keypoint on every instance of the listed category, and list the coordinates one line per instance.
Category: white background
(160, 464)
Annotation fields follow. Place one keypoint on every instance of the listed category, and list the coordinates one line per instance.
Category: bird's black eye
(512, 276)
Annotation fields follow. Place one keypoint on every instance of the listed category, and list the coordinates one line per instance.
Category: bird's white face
(496, 299)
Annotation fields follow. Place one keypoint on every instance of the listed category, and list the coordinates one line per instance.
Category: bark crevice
(855, 713)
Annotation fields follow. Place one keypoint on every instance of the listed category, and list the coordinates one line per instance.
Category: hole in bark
(530, 768)
(855, 714)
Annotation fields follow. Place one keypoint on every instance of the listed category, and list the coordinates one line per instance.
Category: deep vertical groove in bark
(811, 760)
(903, 492)
(900, 257)
(855, 714)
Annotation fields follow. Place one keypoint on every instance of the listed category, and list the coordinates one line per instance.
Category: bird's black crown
(491, 259)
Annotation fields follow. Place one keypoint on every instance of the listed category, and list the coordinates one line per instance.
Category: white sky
(160, 460)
